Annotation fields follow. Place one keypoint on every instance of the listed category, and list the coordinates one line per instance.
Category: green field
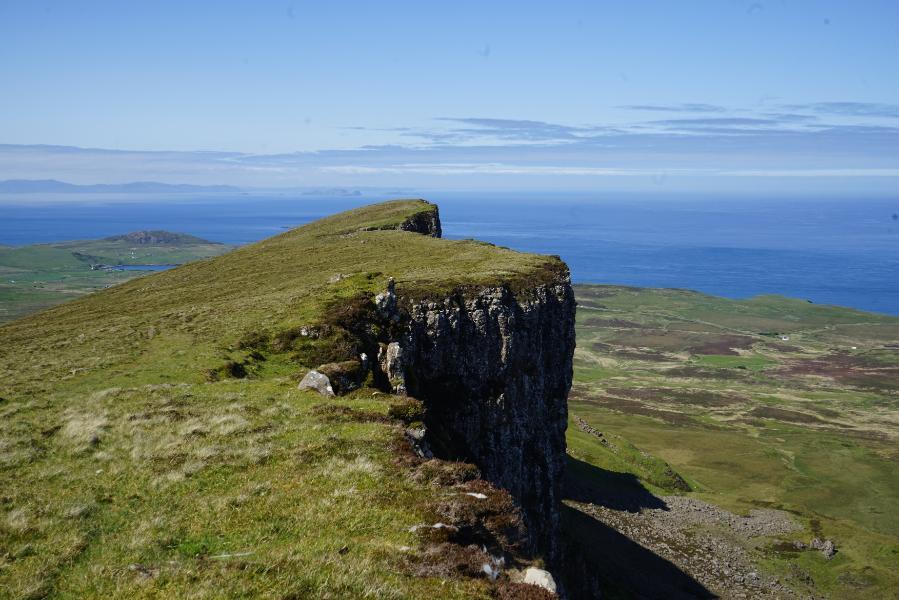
(768, 402)
(43, 275)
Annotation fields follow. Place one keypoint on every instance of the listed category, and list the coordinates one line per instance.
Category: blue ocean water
(832, 251)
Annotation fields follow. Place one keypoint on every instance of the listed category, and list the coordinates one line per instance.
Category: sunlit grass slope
(128, 470)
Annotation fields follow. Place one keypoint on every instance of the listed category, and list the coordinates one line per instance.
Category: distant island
(48, 186)
(42, 275)
(158, 237)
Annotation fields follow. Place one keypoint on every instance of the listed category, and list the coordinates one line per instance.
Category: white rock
(318, 382)
(539, 577)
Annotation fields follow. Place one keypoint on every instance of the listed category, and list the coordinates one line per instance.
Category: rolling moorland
(151, 451)
(43, 275)
(768, 403)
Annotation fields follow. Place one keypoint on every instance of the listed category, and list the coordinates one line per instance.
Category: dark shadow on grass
(619, 491)
(601, 560)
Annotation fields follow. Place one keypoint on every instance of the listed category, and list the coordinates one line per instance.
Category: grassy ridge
(125, 473)
(710, 386)
(173, 325)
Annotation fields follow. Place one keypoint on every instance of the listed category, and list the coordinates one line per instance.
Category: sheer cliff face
(494, 368)
(425, 223)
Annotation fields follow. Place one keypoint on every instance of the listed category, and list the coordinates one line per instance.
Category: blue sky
(717, 95)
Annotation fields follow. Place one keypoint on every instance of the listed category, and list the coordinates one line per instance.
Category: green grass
(124, 472)
(807, 425)
(752, 363)
(237, 488)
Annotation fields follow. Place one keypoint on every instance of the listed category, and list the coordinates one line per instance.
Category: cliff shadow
(601, 562)
(619, 491)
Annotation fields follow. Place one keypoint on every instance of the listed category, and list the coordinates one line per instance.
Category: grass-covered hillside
(153, 442)
(43, 275)
(757, 404)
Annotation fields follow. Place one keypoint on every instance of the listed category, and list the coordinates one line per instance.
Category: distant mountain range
(31, 186)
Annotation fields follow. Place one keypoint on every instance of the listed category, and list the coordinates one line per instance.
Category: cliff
(157, 428)
(493, 366)
(494, 369)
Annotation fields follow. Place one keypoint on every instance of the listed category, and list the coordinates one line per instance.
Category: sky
(720, 95)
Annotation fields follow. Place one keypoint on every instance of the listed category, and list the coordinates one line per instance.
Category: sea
(842, 251)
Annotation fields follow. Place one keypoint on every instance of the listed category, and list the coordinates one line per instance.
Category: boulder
(540, 578)
(318, 382)
(390, 358)
(827, 547)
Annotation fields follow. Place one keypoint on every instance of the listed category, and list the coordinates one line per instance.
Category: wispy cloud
(789, 142)
(513, 130)
(689, 107)
(852, 109)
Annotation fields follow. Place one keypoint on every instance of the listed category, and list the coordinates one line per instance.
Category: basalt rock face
(425, 223)
(493, 368)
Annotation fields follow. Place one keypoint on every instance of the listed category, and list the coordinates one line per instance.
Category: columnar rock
(493, 368)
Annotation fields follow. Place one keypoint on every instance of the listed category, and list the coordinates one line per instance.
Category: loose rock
(540, 578)
(318, 382)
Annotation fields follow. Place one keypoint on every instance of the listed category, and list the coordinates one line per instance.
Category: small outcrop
(826, 547)
(425, 222)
